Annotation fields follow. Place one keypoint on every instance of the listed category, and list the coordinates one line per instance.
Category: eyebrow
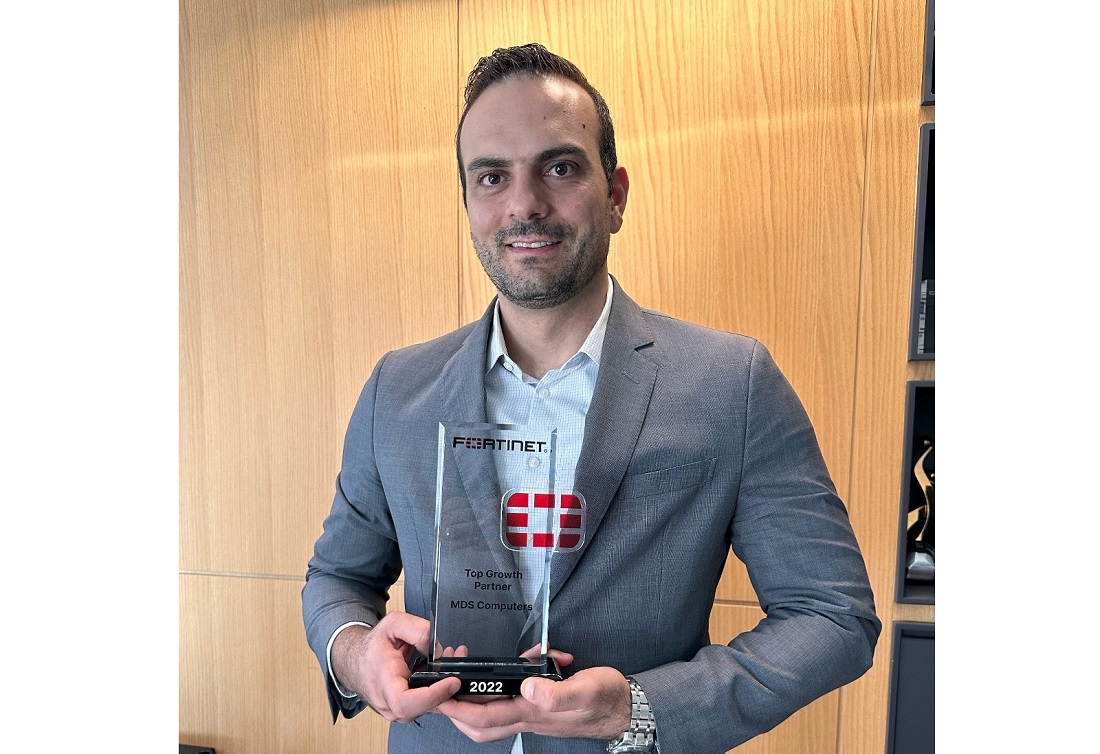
(564, 150)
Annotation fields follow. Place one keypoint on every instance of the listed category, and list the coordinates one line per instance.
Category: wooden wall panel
(883, 368)
(745, 123)
(314, 239)
(249, 683)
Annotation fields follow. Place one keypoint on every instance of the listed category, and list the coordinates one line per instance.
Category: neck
(540, 340)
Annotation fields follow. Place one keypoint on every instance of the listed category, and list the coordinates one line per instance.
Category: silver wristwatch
(641, 736)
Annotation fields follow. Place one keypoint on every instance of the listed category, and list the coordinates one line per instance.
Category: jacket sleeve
(356, 559)
(793, 534)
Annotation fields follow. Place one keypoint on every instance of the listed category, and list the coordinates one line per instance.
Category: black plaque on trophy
(501, 518)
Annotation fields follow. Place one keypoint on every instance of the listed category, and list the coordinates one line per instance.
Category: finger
(487, 714)
(535, 652)
(563, 658)
(573, 693)
(480, 698)
(412, 703)
(403, 628)
(542, 693)
(486, 735)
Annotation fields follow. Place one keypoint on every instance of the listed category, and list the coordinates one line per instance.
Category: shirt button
(533, 462)
(543, 392)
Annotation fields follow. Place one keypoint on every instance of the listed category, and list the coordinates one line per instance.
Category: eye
(561, 170)
(490, 179)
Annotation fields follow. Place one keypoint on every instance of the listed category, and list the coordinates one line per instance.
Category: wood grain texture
(249, 684)
(882, 368)
(313, 239)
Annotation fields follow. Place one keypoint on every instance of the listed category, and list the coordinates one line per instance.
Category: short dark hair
(535, 60)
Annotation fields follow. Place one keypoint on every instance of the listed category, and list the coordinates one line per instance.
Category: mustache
(532, 228)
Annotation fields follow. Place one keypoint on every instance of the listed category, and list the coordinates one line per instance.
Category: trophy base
(484, 676)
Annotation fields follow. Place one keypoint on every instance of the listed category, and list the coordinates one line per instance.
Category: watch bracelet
(642, 732)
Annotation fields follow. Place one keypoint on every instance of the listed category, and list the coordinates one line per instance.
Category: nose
(527, 199)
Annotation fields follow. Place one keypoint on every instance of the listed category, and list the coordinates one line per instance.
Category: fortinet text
(489, 443)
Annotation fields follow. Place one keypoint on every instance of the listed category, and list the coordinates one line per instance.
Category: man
(688, 442)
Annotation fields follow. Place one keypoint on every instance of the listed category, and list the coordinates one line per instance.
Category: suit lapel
(462, 399)
(615, 417)
(462, 381)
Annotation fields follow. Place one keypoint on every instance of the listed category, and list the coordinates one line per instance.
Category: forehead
(524, 114)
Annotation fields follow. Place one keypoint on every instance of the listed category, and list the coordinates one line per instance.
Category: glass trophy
(501, 517)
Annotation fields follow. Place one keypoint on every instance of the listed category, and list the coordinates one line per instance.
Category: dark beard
(536, 292)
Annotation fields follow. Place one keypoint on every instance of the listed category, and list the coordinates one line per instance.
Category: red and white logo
(542, 520)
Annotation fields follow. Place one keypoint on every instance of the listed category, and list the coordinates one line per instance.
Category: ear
(620, 186)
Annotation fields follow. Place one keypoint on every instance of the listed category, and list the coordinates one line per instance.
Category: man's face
(541, 216)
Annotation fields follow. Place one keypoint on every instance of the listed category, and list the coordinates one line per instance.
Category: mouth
(536, 244)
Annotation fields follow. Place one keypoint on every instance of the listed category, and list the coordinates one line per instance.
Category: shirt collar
(592, 346)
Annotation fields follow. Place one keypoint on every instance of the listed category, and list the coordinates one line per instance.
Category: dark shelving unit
(918, 513)
(922, 331)
(912, 722)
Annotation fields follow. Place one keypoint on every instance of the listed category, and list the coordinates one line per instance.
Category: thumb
(539, 691)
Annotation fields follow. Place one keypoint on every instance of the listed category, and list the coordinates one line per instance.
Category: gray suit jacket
(694, 443)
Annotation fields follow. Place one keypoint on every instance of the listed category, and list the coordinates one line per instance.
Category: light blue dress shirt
(559, 400)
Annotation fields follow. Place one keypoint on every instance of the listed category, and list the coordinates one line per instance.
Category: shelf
(916, 524)
(928, 81)
(922, 330)
(912, 722)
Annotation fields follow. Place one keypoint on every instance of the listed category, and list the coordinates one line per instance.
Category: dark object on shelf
(916, 567)
(912, 728)
(186, 749)
(920, 563)
(926, 318)
(928, 93)
(922, 336)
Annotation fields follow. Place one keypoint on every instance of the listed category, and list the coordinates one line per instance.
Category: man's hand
(594, 703)
(373, 663)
